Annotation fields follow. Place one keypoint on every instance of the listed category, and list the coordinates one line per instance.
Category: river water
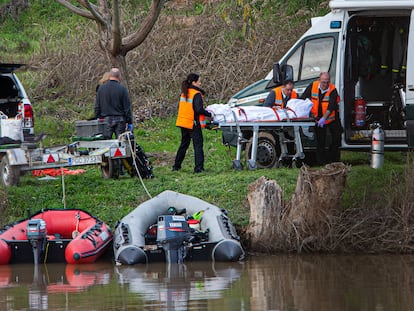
(307, 282)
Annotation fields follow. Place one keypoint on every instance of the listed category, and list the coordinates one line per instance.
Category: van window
(316, 58)
(294, 61)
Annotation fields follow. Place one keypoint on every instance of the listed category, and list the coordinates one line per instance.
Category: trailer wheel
(10, 175)
(268, 150)
(109, 168)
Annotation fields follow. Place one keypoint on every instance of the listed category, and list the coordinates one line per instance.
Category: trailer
(269, 144)
(16, 159)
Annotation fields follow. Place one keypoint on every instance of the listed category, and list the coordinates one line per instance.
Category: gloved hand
(130, 127)
(321, 122)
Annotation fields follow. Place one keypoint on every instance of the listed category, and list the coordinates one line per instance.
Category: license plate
(85, 160)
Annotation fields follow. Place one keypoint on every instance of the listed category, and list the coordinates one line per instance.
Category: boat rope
(135, 162)
(63, 188)
(75, 233)
(46, 252)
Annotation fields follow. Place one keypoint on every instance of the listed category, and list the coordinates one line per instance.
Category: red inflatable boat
(55, 235)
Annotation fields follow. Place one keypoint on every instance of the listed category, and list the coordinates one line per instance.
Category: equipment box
(89, 128)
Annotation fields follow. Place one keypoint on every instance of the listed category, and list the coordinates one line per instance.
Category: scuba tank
(377, 146)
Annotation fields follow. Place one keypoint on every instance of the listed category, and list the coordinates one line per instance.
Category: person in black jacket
(113, 104)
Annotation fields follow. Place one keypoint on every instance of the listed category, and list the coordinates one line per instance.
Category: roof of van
(371, 4)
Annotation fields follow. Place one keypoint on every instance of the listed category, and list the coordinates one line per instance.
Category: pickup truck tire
(268, 150)
(10, 174)
(109, 168)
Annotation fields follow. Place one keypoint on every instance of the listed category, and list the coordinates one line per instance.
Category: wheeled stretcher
(286, 132)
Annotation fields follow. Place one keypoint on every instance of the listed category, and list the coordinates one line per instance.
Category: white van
(368, 48)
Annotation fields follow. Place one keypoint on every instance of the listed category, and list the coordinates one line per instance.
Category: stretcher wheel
(268, 150)
(296, 163)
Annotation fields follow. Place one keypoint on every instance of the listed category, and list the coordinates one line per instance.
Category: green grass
(221, 185)
(47, 27)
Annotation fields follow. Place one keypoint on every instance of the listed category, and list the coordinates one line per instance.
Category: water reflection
(41, 281)
(180, 286)
(283, 283)
(348, 283)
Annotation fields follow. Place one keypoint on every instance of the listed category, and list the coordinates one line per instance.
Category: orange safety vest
(185, 117)
(324, 101)
(279, 96)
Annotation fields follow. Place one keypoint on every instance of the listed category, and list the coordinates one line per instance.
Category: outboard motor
(172, 234)
(36, 234)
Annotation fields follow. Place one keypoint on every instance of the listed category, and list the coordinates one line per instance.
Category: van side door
(409, 94)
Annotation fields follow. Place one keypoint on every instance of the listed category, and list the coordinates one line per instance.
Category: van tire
(10, 174)
(268, 150)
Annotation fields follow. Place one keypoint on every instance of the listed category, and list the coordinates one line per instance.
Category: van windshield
(252, 89)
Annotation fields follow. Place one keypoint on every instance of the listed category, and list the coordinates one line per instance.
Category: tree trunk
(318, 194)
(304, 222)
(265, 199)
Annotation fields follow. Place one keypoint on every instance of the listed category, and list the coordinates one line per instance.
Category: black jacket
(198, 105)
(112, 99)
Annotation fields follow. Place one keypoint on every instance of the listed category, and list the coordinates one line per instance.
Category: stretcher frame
(279, 127)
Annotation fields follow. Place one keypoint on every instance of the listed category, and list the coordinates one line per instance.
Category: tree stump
(276, 225)
(318, 194)
(266, 204)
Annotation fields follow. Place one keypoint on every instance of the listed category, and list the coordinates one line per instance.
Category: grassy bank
(221, 185)
(64, 66)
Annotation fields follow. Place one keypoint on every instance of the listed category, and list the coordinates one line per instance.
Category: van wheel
(10, 174)
(109, 168)
(268, 150)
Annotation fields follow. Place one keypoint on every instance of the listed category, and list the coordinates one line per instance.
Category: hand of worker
(130, 127)
(321, 122)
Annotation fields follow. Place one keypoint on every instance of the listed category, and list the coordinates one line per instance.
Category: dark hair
(192, 77)
(287, 81)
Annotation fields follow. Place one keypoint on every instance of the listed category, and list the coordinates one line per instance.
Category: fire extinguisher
(359, 110)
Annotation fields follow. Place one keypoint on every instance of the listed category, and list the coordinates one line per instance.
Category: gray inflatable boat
(174, 227)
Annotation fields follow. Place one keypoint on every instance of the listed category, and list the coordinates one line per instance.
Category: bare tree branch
(132, 41)
(93, 9)
(107, 15)
(75, 9)
(116, 29)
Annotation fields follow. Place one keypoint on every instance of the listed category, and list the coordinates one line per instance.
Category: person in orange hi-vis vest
(325, 110)
(190, 112)
(279, 96)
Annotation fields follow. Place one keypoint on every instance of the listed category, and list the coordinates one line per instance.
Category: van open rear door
(410, 84)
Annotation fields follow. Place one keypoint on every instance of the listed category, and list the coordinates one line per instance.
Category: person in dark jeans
(113, 104)
(190, 113)
(325, 110)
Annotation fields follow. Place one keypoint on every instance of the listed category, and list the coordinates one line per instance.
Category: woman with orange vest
(190, 113)
(279, 96)
(324, 97)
